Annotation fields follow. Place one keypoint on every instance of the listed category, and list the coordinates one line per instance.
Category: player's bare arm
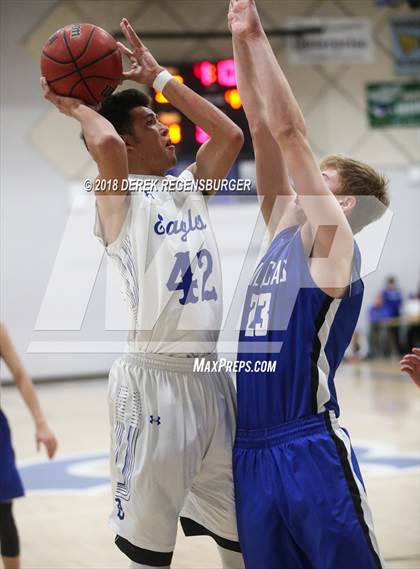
(331, 239)
(109, 152)
(216, 157)
(43, 434)
(272, 175)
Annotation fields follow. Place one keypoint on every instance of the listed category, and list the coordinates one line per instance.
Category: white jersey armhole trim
(114, 247)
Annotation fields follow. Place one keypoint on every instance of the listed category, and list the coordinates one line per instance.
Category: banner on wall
(405, 36)
(342, 40)
(393, 104)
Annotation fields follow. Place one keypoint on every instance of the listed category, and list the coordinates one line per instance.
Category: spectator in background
(376, 315)
(392, 299)
(412, 314)
(410, 364)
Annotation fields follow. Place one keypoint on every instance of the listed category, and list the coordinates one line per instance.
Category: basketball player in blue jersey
(300, 497)
(172, 429)
(11, 486)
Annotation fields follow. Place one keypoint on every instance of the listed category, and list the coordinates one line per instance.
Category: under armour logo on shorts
(154, 420)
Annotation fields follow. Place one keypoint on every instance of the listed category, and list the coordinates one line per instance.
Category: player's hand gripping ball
(82, 61)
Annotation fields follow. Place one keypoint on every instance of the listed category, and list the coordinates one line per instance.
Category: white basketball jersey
(169, 263)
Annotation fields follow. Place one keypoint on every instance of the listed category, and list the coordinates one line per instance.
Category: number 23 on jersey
(258, 315)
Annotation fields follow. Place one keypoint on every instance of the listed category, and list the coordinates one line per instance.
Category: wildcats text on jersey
(268, 274)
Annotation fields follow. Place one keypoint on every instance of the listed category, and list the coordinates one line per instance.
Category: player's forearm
(20, 376)
(272, 176)
(108, 150)
(202, 113)
(27, 390)
(282, 107)
(249, 89)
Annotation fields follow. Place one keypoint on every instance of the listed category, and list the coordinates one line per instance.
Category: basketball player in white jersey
(172, 429)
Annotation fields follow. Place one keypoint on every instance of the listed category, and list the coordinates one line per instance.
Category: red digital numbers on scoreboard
(222, 73)
(206, 72)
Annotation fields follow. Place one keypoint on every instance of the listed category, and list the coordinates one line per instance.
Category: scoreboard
(216, 82)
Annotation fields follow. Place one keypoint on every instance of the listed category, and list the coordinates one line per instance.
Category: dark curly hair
(117, 109)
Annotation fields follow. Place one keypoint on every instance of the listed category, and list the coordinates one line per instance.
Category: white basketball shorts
(172, 435)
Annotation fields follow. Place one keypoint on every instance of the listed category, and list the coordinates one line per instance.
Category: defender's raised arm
(333, 237)
(272, 175)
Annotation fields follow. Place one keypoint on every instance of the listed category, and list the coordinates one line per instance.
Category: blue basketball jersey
(289, 321)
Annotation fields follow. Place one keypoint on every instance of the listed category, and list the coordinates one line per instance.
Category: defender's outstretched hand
(66, 105)
(410, 364)
(243, 18)
(144, 67)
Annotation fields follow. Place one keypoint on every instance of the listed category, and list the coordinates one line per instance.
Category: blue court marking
(78, 474)
(369, 455)
(65, 474)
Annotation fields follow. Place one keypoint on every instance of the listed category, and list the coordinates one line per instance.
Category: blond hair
(359, 179)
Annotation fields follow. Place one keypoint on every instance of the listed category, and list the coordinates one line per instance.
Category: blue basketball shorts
(10, 483)
(300, 498)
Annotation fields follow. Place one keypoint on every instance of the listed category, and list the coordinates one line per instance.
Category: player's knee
(9, 538)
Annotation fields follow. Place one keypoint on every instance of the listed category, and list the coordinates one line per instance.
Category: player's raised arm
(216, 157)
(272, 175)
(109, 152)
(334, 238)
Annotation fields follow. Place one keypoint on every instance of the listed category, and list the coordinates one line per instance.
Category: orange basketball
(82, 61)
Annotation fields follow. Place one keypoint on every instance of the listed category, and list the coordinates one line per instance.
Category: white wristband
(160, 82)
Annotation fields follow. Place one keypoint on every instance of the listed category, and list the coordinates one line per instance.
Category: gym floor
(63, 518)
